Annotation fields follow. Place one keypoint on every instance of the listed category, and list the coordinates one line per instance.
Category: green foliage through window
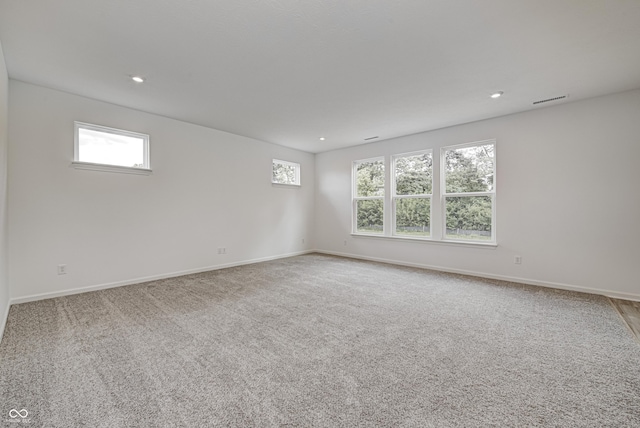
(285, 172)
(413, 216)
(468, 217)
(461, 207)
(370, 215)
(369, 191)
(414, 174)
(370, 178)
(413, 185)
(469, 170)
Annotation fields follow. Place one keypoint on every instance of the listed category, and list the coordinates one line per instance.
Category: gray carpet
(320, 341)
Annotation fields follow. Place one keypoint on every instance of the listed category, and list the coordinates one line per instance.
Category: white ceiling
(291, 71)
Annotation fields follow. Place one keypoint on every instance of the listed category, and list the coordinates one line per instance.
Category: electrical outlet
(517, 260)
(62, 269)
(303, 240)
(222, 250)
(345, 242)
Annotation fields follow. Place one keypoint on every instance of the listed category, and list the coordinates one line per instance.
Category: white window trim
(395, 198)
(448, 242)
(78, 164)
(355, 198)
(438, 218)
(443, 194)
(283, 162)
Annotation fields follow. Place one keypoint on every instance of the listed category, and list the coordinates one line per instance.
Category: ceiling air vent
(561, 97)
(370, 138)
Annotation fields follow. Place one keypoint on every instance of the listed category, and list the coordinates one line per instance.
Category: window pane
(370, 178)
(469, 169)
(110, 149)
(413, 216)
(370, 213)
(285, 173)
(468, 217)
(413, 174)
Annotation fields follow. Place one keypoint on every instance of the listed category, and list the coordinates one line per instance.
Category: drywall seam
(547, 284)
(71, 291)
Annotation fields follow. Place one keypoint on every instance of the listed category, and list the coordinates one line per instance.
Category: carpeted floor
(320, 341)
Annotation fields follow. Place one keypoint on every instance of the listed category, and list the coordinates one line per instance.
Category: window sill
(110, 168)
(284, 184)
(474, 244)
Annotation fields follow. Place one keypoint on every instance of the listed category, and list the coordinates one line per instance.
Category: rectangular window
(284, 172)
(412, 189)
(109, 149)
(368, 196)
(458, 204)
(468, 191)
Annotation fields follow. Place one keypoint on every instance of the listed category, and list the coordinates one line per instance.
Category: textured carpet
(320, 341)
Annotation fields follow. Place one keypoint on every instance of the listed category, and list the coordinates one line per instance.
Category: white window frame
(438, 232)
(395, 197)
(286, 163)
(78, 164)
(355, 198)
(444, 194)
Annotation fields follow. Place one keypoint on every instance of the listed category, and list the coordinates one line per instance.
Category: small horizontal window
(105, 147)
(285, 173)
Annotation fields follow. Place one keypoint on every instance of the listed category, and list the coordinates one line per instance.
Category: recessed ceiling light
(321, 138)
(497, 94)
(137, 79)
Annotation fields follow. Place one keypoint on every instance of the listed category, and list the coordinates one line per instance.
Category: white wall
(209, 189)
(4, 123)
(568, 198)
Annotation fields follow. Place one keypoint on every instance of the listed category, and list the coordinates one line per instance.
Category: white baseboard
(560, 286)
(3, 320)
(42, 296)
(68, 292)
